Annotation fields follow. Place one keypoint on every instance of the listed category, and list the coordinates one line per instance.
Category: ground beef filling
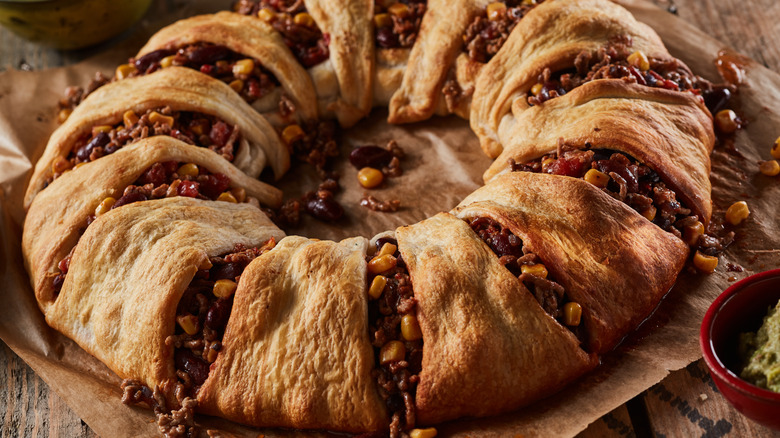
(638, 186)
(201, 319)
(615, 61)
(395, 334)
(165, 180)
(192, 128)
(530, 270)
(397, 23)
(487, 33)
(298, 29)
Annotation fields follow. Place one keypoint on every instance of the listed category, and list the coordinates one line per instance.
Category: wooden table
(685, 404)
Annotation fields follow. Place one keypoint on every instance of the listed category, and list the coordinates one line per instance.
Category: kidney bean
(213, 185)
(228, 271)
(143, 63)
(189, 189)
(325, 209)
(100, 140)
(386, 38)
(370, 156)
(207, 54)
(154, 175)
(218, 314)
(129, 198)
(717, 98)
(196, 367)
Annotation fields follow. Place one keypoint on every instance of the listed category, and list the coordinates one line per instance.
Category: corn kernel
(393, 351)
(188, 323)
(60, 165)
(211, 355)
(727, 121)
(547, 162)
(650, 212)
(538, 270)
(529, 2)
(125, 70)
(199, 126)
(370, 177)
(291, 134)
(692, 233)
(63, 115)
(105, 206)
(167, 61)
(237, 85)
(388, 249)
(243, 67)
(304, 19)
(769, 168)
(205, 265)
(597, 178)
(776, 149)
(536, 89)
(382, 20)
(423, 433)
(101, 128)
(155, 117)
(266, 15)
(639, 60)
(224, 288)
(705, 263)
(227, 197)
(572, 314)
(189, 169)
(399, 10)
(495, 11)
(738, 212)
(239, 193)
(130, 118)
(380, 264)
(410, 328)
(377, 286)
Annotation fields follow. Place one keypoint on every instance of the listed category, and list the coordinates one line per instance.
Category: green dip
(760, 353)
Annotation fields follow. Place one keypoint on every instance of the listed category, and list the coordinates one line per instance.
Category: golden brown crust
(389, 73)
(350, 26)
(247, 36)
(669, 131)
(296, 350)
(609, 258)
(481, 327)
(130, 269)
(551, 36)
(183, 90)
(52, 227)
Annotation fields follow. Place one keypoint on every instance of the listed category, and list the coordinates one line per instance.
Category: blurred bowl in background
(70, 24)
(740, 309)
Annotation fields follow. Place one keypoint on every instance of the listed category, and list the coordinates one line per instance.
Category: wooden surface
(685, 404)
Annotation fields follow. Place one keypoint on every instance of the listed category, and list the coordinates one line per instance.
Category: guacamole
(760, 353)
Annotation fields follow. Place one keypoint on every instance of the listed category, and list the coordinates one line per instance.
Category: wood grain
(674, 407)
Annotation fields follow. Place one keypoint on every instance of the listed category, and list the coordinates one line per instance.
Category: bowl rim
(712, 360)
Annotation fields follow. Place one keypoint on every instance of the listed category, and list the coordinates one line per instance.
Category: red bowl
(741, 308)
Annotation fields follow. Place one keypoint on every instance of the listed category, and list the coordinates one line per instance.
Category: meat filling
(397, 23)
(395, 334)
(297, 27)
(631, 182)
(487, 33)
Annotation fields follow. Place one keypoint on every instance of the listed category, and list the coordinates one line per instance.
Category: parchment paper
(444, 164)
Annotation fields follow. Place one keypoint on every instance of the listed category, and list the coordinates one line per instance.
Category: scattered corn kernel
(769, 168)
(538, 270)
(244, 66)
(130, 118)
(495, 11)
(291, 134)
(156, 117)
(382, 20)
(377, 286)
(727, 121)
(101, 128)
(705, 263)
(304, 19)
(60, 165)
(738, 212)
(189, 169)
(205, 265)
(639, 60)
(597, 178)
(776, 149)
(63, 115)
(380, 264)
(692, 233)
(423, 433)
(167, 61)
(227, 197)
(399, 10)
(188, 323)
(650, 212)
(104, 206)
(224, 288)
(393, 351)
(125, 70)
(572, 313)
(266, 15)
(388, 248)
(536, 89)
(237, 85)
(370, 177)
(410, 328)
(239, 193)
